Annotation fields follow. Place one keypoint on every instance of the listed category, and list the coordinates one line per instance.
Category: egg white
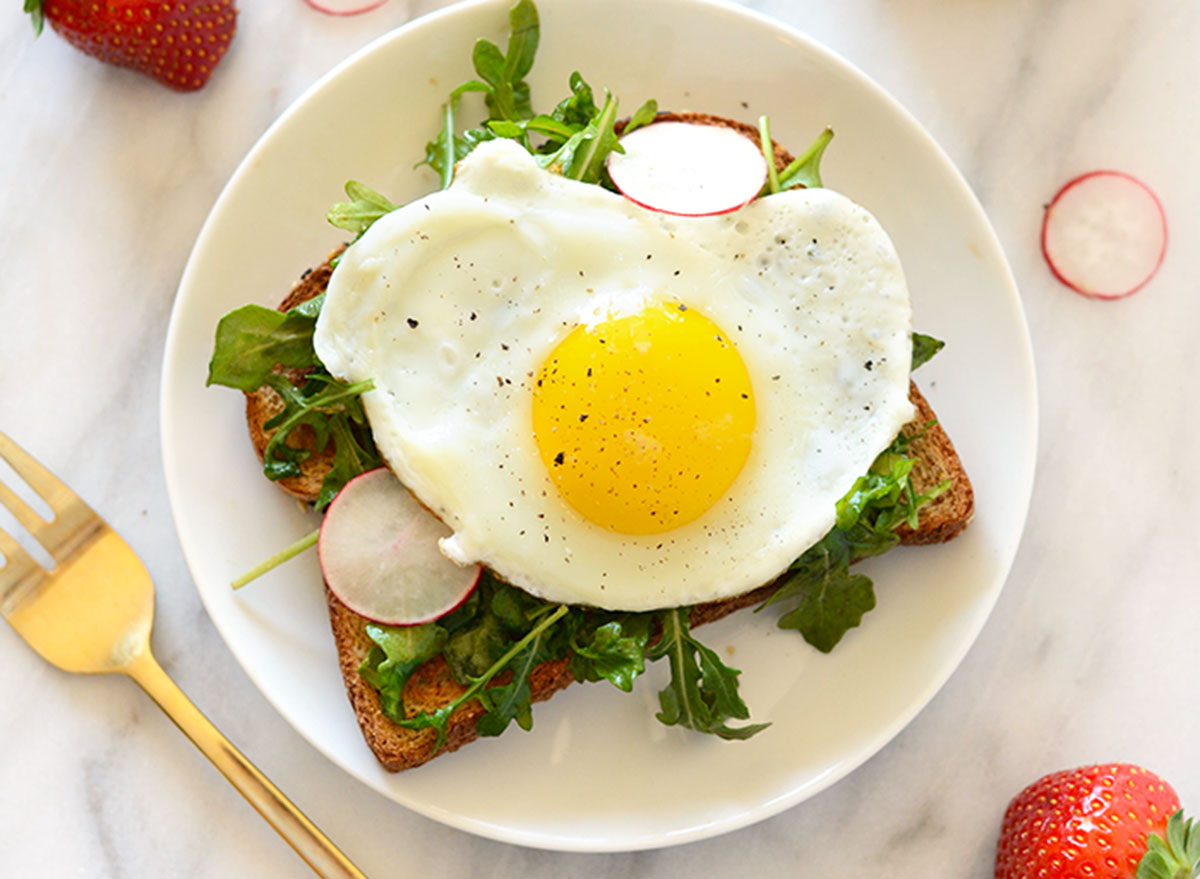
(452, 303)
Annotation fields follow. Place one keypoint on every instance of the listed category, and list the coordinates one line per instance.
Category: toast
(432, 685)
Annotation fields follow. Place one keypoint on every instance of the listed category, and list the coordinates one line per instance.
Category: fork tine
(68, 530)
(29, 518)
(18, 575)
(48, 486)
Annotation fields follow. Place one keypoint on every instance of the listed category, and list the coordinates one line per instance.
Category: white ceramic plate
(598, 772)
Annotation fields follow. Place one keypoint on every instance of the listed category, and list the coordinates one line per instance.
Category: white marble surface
(107, 179)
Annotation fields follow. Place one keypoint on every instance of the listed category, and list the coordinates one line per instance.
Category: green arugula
(924, 348)
(608, 647)
(502, 702)
(493, 646)
(574, 139)
(397, 652)
(252, 340)
(364, 208)
(703, 692)
(503, 74)
(829, 600)
(251, 343)
(804, 170)
(444, 151)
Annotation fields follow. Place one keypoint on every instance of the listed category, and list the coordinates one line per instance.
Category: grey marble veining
(1077, 663)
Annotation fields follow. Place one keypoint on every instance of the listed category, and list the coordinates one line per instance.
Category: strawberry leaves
(1176, 857)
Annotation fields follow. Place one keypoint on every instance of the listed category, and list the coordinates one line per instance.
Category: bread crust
(432, 685)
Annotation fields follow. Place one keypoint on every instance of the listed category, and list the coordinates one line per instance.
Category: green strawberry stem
(1178, 857)
(34, 8)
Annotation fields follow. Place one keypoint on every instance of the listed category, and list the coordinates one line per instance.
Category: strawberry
(177, 42)
(1115, 821)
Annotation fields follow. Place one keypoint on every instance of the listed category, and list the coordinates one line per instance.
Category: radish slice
(688, 169)
(344, 7)
(379, 554)
(1104, 234)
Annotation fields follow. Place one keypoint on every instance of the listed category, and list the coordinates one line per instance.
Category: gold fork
(92, 614)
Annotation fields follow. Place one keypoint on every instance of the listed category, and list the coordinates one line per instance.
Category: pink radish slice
(688, 169)
(379, 554)
(1104, 234)
(344, 7)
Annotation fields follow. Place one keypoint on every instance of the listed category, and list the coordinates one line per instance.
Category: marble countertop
(108, 178)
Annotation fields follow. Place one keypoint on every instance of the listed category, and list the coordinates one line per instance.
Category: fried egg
(617, 407)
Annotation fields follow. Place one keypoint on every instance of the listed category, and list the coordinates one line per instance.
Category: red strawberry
(177, 42)
(1097, 822)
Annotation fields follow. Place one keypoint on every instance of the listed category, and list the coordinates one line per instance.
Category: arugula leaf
(924, 348)
(767, 145)
(805, 169)
(508, 95)
(252, 340)
(580, 108)
(613, 650)
(831, 600)
(703, 692)
(512, 700)
(398, 652)
(364, 208)
(332, 409)
(354, 452)
(643, 115)
(475, 647)
(444, 151)
(576, 137)
(581, 156)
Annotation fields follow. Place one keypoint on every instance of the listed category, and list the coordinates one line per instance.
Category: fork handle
(300, 833)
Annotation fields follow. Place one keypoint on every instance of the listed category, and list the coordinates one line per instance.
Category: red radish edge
(345, 7)
(367, 572)
(1152, 255)
(636, 172)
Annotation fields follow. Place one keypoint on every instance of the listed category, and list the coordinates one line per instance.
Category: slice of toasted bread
(432, 685)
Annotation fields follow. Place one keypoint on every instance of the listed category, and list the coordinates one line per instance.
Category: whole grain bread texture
(432, 685)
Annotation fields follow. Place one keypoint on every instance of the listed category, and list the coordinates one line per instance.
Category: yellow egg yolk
(644, 420)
